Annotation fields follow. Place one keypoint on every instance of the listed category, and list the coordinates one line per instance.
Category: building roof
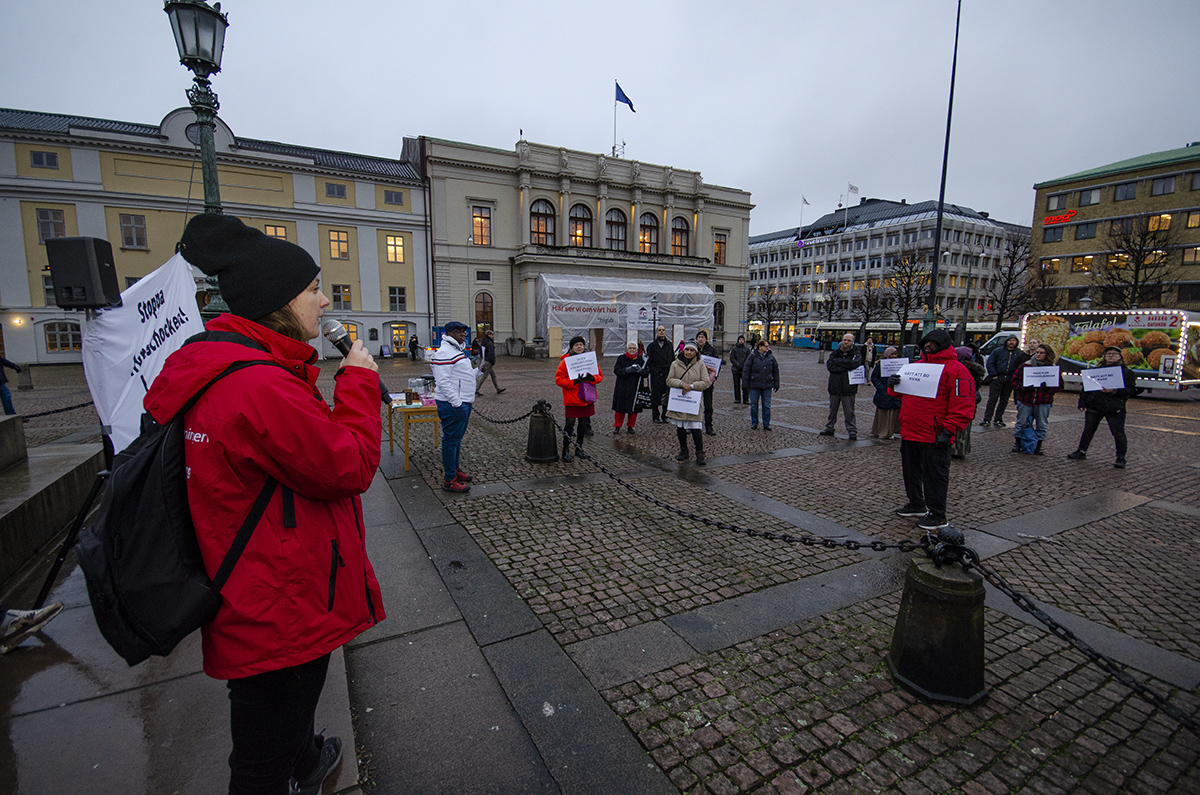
(868, 214)
(62, 124)
(1183, 154)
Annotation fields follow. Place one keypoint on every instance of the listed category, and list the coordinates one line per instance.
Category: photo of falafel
(1132, 356)
(1073, 348)
(1154, 339)
(1090, 351)
(1118, 338)
(1094, 336)
(1154, 358)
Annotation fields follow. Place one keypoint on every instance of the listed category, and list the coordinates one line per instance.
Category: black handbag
(643, 400)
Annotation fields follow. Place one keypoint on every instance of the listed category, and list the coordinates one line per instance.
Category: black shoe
(1078, 455)
(754, 427)
(766, 427)
(327, 763)
(657, 421)
(590, 432)
(498, 391)
(710, 432)
(1000, 424)
(1038, 450)
(566, 453)
(985, 424)
(683, 456)
(854, 437)
(908, 509)
(825, 433)
(700, 459)
(1016, 448)
(478, 394)
(629, 429)
(931, 522)
(617, 431)
(1119, 463)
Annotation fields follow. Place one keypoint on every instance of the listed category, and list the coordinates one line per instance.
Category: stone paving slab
(632, 653)
(1065, 516)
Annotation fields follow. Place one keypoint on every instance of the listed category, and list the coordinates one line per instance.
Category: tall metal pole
(930, 317)
(204, 104)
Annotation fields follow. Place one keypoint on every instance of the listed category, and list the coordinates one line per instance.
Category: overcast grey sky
(782, 99)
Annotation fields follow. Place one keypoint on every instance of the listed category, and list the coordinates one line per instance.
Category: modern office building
(1077, 217)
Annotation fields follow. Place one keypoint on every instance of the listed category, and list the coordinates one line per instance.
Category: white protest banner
(1041, 376)
(889, 367)
(858, 375)
(581, 364)
(124, 348)
(638, 317)
(713, 363)
(920, 380)
(685, 404)
(1101, 378)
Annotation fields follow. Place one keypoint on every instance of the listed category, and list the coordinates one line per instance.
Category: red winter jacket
(297, 592)
(953, 409)
(569, 387)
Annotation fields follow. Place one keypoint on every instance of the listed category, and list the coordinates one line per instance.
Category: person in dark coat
(760, 377)
(887, 407)
(841, 391)
(628, 369)
(1000, 367)
(962, 439)
(413, 346)
(487, 343)
(706, 349)
(5, 393)
(737, 358)
(1107, 404)
(659, 356)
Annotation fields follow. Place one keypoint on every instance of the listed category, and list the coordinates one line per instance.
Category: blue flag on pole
(622, 98)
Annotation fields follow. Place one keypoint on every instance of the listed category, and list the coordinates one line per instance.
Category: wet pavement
(557, 631)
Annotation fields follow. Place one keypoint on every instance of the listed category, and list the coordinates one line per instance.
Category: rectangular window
(483, 276)
(877, 242)
(1085, 231)
(957, 235)
(394, 244)
(48, 290)
(481, 226)
(1191, 256)
(1081, 264)
(1162, 186)
(51, 223)
(43, 159)
(1050, 265)
(341, 296)
(278, 232)
(339, 245)
(860, 245)
(1159, 222)
(397, 300)
(893, 239)
(1052, 234)
(1125, 191)
(335, 190)
(928, 235)
(61, 337)
(1189, 292)
(718, 288)
(1056, 202)
(1120, 226)
(1193, 219)
(393, 197)
(133, 231)
(1089, 197)
(1196, 181)
(720, 241)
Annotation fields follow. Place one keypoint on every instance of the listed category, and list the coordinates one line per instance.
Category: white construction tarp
(578, 304)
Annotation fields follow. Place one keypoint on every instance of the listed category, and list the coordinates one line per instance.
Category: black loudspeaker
(83, 272)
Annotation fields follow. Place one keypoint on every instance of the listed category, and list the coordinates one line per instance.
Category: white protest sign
(1041, 376)
(685, 404)
(889, 367)
(920, 380)
(1103, 378)
(638, 317)
(124, 348)
(713, 363)
(582, 364)
(858, 375)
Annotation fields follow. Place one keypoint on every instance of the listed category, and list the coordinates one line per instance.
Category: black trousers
(1116, 424)
(999, 392)
(708, 403)
(585, 425)
(697, 440)
(737, 387)
(271, 720)
(926, 475)
(658, 393)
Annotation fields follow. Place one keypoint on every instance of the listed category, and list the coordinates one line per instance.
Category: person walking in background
(1107, 404)
(487, 344)
(1000, 367)
(887, 407)
(5, 393)
(628, 369)
(737, 358)
(962, 439)
(413, 346)
(706, 349)
(841, 392)
(760, 378)
(870, 356)
(688, 373)
(659, 357)
(454, 381)
(1034, 402)
(575, 405)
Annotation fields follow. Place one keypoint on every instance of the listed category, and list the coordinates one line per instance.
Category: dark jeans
(1116, 424)
(755, 396)
(708, 407)
(926, 475)
(737, 387)
(454, 427)
(6, 399)
(658, 393)
(271, 720)
(998, 393)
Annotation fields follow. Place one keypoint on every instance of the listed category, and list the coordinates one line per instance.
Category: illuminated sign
(1058, 219)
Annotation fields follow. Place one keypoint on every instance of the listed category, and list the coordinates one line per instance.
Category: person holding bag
(628, 369)
(688, 373)
(579, 397)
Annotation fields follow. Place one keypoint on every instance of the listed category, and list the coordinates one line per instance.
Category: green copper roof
(1191, 152)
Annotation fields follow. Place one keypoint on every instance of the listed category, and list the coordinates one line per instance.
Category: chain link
(27, 417)
(486, 418)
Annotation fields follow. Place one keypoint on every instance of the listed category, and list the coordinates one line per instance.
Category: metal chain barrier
(28, 417)
(477, 413)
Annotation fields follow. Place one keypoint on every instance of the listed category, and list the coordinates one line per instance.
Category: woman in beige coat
(688, 374)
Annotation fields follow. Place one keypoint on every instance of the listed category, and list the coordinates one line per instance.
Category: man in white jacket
(454, 390)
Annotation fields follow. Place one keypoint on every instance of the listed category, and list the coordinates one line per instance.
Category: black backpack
(145, 576)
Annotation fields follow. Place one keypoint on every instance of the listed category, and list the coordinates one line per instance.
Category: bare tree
(1006, 293)
(906, 280)
(768, 306)
(870, 303)
(1138, 266)
(1040, 292)
(829, 304)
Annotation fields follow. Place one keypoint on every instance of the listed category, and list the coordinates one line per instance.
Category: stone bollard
(542, 447)
(937, 646)
(25, 379)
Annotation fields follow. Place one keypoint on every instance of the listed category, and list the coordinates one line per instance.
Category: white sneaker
(20, 624)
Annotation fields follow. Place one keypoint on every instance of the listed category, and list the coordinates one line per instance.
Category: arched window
(581, 226)
(541, 223)
(617, 230)
(719, 316)
(648, 233)
(679, 237)
(483, 313)
(63, 336)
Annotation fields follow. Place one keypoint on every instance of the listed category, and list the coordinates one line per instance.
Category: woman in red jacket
(303, 586)
(575, 407)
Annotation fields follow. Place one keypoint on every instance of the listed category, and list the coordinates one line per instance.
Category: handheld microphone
(339, 338)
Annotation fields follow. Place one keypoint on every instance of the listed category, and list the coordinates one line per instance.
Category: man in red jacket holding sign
(927, 429)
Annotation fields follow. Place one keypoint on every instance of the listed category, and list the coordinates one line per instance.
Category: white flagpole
(614, 149)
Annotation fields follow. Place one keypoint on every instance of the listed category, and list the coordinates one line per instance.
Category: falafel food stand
(1160, 346)
(580, 304)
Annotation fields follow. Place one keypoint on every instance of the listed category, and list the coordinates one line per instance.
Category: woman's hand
(686, 388)
(359, 357)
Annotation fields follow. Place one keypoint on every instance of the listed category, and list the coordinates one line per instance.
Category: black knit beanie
(257, 273)
(576, 339)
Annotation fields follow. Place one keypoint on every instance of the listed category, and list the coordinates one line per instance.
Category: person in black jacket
(659, 355)
(628, 369)
(1000, 367)
(760, 377)
(737, 358)
(706, 349)
(488, 345)
(1107, 404)
(841, 391)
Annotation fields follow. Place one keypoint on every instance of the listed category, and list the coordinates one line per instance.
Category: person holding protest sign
(706, 349)
(628, 369)
(841, 392)
(1034, 402)
(688, 373)
(579, 396)
(1106, 403)
(887, 407)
